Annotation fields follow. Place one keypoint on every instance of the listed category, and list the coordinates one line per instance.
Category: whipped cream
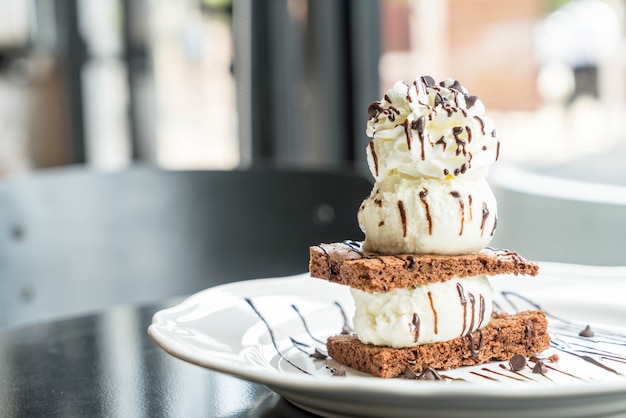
(433, 130)
(426, 215)
(427, 314)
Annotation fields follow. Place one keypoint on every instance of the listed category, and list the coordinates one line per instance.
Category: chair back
(76, 240)
(548, 218)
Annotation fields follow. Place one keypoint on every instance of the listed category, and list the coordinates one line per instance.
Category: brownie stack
(346, 263)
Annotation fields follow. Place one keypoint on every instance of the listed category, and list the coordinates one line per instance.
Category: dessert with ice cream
(419, 279)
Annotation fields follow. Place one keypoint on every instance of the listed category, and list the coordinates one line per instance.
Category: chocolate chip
(587, 332)
(428, 80)
(318, 355)
(540, 367)
(470, 101)
(457, 86)
(374, 109)
(411, 262)
(419, 124)
(517, 362)
(430, 374)
(409, 373)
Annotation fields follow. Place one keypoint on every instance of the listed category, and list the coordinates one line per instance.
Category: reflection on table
(106, 365)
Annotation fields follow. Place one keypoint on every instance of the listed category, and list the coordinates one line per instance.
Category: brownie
(524, 333)
(346, 263)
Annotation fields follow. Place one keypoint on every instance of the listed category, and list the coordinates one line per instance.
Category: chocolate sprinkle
(517, 362)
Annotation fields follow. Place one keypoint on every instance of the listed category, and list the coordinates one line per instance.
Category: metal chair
(74, 240)
(559, 219)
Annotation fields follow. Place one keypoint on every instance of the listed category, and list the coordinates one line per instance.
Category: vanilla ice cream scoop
(433, 130)
(427, 314)
(431, 151)
(426, 215)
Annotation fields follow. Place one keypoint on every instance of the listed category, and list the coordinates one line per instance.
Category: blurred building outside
(551, 74)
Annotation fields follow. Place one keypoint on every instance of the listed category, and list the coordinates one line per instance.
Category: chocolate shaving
(428, 80)
(470, 101)
(587, 332)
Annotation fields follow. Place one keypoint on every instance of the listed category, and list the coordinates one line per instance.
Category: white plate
(219, 329)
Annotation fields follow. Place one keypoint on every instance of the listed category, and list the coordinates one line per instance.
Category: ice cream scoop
(426, 314)
(426, 215)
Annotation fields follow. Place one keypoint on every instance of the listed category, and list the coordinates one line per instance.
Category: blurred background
(230, 84)
(219, 84)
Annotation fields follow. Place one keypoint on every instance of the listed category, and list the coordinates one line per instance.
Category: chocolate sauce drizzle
(495, 225)
(472, 300)
(481, 312)
(463, 301)
(402, 216)
(435, 320)
(408, 132)
(423, 195)
(485, 216)
(374, 156)
(475, 348)
(273, 338)
(481, 122)
(330, 264)
(564, 335)
(419, 125)
(306, 327)
(346, 329)
(458, 197)
(415, 322)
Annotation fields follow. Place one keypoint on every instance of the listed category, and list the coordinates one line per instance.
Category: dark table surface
(106, 365)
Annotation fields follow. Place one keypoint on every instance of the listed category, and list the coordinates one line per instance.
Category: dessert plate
(269, 330)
